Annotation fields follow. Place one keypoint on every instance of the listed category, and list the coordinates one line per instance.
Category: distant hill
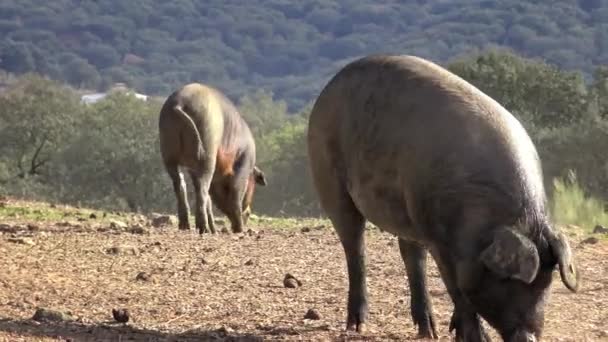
(289, 47)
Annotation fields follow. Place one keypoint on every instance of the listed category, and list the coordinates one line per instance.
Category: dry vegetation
(180, 287)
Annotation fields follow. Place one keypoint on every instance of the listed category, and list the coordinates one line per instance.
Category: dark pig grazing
(424, 155)
(201, 130)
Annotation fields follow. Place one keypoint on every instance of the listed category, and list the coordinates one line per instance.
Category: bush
(570, 205)
(278, 40)
(107, 154)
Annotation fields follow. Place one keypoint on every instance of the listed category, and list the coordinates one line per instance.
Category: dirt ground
(230, 287)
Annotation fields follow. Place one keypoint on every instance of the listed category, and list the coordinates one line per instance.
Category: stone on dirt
(7, 228)
(46, 315)
(599, 229)
(158, 220)
(291, 282)
(115, 224)
(590, 241)
(224, 330)
(312, 314)
(124, 250)
(137, 229)
(121, 315)
(142, 276)
(22, 240)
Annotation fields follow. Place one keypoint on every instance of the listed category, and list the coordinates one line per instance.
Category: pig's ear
(259, 176)
(512, 255)
(560, 249)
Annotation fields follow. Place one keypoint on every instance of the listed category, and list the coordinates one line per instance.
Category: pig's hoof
(468, 329)
(427, 330)
(358, 327)
(355, 322)
(357, 313)
(426, 336)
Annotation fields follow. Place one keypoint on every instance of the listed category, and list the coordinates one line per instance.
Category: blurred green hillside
(288, 47)
(106, 155)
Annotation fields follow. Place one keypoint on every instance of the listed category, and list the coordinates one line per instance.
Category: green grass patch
(27, 213)
(288, 222)
(571, 206)
(13, 210)
(34, 211)
(17, 210)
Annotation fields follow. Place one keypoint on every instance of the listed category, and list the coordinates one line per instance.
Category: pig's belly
(385, 207)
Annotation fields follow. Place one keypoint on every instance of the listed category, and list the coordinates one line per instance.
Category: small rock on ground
(225, 330)
(159, 220)
(5, 228)
(42, 315)
(599, 229)
(22, 240)
(126, 250)
(33, 227)
(115, 224)
(291, 282)
(590, 241)
(142, 276)
(121, 315)
(312, 314)
(137, 229)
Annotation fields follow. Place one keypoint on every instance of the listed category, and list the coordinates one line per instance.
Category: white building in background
(120, 87)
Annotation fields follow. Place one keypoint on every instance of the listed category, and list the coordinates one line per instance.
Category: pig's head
(510, 281)
(256, 177)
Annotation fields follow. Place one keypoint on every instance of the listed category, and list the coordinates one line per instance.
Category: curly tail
(200, 150)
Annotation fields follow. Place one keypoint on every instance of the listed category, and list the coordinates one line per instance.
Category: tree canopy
(287, 47)
(106, 154)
